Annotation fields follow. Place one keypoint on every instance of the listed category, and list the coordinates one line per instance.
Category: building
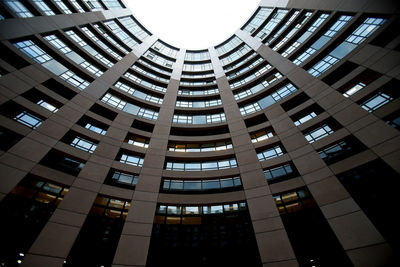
(278, 147)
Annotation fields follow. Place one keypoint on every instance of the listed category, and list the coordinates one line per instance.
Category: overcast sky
(192, 24)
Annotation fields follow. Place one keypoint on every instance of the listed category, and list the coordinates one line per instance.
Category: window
(198, 92)
(201, 186)
(280, 173)
(64, 49)
(305, 35)
(318, 133)
(228, 46)
(158, 59)
(77, 39)
(222, 145)
(77, 6)
(368, 27)
(164, 49)
(83, 144)
(40, 56)
(95, 129)
(62, 6)
(199, 119)
(341, 150)
(18, 8)
(270, 39)
(138, 80)
(111, 39)
(376, 101)
(301, 20)
(129, 108)
(262, 135)
(273, 21)
(137, 93)
(43, 7)
(121, 34)
(28, 119)
(255, 74)
(270, 153)
(131, 159)
(137, 140)
(197, 56)
(201, 166)
(122, 179)
(325, 38)
(63, 162)
(268, 100)
(94, 38)
(110, 4)
(258, 19)
(133, 27)
(257, 88)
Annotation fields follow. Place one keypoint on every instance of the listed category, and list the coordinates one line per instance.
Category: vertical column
(135, 239)
(273, 242)
(59, 234)
(358, 236)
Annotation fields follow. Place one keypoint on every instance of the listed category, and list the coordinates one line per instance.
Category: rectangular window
(376, 101)
(28, 119)
(18, 8)
(131, 159)
(318, 133)
(39, 55)
(44, 7)
(280, 173)
(83, 144)
(368, 27)
(270, 153)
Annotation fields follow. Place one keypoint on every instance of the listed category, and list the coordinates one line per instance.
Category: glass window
(28, 119)
(211, 184)
(377, 101)
(18, 8)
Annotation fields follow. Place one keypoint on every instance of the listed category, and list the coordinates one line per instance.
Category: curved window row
(254, 75)
(75, 57)
(201, 186)
(198, 92)
(110, 4)
(123, 179)
(133, 27)
(201, 166)
(130, 159)
(321, 19)
(179, 147)
(199, 104)
(18, 8)
(368, 27)
(100, 43)
(164, 49)
(141, 61)
(109, 38)
(39, 55)
(273, 21)
(199, 119)
(197, 55)
(197, 83)
(262, 135)
(234, 74)
(325, 38)
(259, 87)
(280, 173)
(241, 51)
(270, 153)
(299, 23)
(197, 67)
(241, 62)
(44, 7)
(77, 6)
(268, 100)
(195, 75)
(270, 39)
(61, 5)
(137, 93)
(138, 80)
(77, 39)
(196, 210)
(158, 59)
(120, 104)
(261, 14)
(121, 33)
(229, 45)
(137, 140)
(149, 74)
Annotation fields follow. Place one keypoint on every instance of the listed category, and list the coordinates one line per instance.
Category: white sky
(192, 24)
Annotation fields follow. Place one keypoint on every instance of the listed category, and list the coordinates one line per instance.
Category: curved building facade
(277, 147)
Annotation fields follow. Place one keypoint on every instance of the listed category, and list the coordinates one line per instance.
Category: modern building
(277, 147)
